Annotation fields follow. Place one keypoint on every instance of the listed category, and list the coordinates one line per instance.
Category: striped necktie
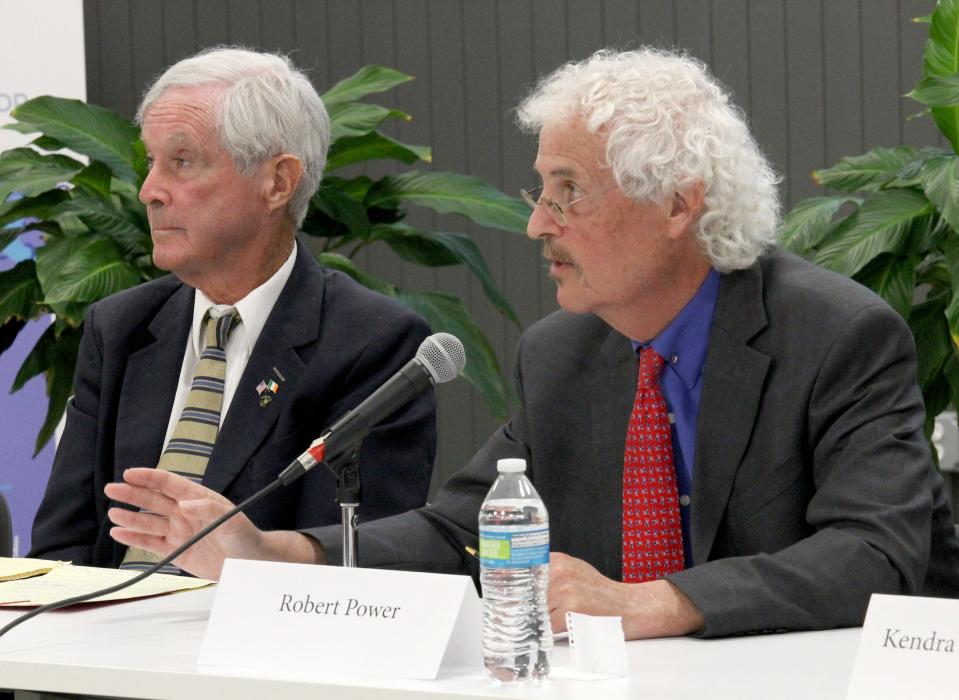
(652, 529)
(194, 436)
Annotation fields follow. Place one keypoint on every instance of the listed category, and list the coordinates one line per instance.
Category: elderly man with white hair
(728, 438)
(226, 370)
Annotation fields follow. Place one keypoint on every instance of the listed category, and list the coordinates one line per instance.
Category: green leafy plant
(97, 239)
(894, 226)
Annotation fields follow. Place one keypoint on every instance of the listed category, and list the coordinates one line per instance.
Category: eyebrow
(561, 172)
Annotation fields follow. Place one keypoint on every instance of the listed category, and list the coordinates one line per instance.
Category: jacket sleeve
(67, 521)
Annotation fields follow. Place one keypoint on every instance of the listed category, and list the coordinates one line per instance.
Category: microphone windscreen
(443, 356)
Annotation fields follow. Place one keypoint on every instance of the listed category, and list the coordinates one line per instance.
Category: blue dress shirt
(683, 343)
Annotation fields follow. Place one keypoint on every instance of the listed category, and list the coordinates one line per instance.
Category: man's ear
(281, 180)
(687, 205)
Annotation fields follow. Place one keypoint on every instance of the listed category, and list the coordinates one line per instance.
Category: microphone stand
(346, 469)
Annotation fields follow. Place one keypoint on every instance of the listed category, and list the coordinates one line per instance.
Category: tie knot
(650, 365)
(217, 329)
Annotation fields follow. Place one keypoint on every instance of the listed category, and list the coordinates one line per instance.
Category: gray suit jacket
(812, 487)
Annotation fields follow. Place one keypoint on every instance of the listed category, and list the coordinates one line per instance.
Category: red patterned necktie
(652, 529)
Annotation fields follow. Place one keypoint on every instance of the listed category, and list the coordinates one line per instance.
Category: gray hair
(269, 107)
(669, 123)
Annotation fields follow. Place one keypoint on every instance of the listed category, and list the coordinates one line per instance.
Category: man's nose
(152, 192)
(541, 223)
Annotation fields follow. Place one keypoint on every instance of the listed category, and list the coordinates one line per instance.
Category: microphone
(440, 358)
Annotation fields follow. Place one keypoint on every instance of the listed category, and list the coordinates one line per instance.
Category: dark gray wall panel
(805, 128)
(818, 79)
(842, 58)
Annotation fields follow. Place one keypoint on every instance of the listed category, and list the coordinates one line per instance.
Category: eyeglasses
(555, 209)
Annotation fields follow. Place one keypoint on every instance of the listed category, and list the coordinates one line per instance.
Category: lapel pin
(267, 390)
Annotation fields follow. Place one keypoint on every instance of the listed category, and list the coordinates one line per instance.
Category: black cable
(269, 488)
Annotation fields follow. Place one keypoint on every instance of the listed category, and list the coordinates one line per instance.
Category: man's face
(614, 254)
(204, 216)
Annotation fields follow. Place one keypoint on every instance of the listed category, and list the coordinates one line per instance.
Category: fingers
(557, 620)
(143, 523)
(132, 538)
(160, 491)
(141, 498)
(169, 484)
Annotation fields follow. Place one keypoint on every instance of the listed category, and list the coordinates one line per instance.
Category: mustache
(554, 253)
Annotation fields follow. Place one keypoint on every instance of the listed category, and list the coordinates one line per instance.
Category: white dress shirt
(254, 309)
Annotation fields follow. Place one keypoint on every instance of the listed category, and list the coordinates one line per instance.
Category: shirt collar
(683, 343)
(254, 308)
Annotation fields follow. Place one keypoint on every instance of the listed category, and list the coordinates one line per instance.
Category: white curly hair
(669, 123)
(269, 107)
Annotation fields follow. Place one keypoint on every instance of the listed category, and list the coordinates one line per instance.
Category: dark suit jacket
(812, 485)
(332, 340)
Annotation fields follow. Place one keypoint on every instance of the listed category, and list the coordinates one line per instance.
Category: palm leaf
(29, 173)
(452, 193)
(867, 171)
(940, 182)
(936, 91)
(881, 224)
(809, 222)
(366, 81)
(941, 59)
(892, 278)
(41, 206)
(436, 249)
(373, 146)
(358, 118)
(105, 219)
(83, 268)
(19, 292)
(93, 131)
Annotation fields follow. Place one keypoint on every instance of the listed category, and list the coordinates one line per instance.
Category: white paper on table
(597, 645)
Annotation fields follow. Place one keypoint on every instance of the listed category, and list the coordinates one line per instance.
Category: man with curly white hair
(224, 370)
(728, 438)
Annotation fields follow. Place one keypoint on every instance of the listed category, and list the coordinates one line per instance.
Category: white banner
(41, 53)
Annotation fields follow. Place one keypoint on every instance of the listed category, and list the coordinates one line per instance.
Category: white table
(148, 649)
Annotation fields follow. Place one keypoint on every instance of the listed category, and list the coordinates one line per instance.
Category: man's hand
(179, 508)
(652, 609)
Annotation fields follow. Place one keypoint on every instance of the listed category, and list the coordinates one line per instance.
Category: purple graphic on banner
(22, 477)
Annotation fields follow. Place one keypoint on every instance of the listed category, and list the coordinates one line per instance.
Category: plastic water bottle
(514, 572)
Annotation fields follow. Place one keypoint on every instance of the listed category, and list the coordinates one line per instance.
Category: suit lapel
(149, 385)
(733, 378)
(612, 404)
(293, 323)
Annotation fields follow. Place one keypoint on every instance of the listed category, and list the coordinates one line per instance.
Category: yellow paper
(68, 581)
(12, 569)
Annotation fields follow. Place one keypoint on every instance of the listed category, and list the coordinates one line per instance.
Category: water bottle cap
(511, 466)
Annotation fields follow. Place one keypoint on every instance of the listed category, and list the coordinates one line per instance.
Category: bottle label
(513, 548)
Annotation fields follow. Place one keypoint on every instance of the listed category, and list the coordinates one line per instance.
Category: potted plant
(894, 223)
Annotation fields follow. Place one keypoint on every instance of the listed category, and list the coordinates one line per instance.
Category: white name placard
(909, 648)
(331, 621)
